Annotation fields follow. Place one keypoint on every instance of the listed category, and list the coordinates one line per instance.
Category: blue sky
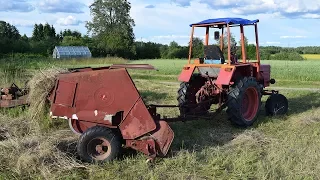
(282, 22)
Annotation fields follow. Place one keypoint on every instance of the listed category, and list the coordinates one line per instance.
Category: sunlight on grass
(311, 56)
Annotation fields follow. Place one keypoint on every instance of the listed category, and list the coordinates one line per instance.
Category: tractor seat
(213, 55)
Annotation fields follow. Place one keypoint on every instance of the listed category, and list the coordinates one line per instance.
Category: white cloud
(272, 42)
(68, 21)
(292, 37)
(284, 8)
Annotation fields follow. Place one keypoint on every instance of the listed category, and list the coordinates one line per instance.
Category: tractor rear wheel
(276, 104)
(187, 96)
(244, 101)
(99, 144)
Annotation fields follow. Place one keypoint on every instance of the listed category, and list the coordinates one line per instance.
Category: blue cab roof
(239, 21)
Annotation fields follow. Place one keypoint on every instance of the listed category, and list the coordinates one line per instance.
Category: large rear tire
(244, 102)
(99, 144)
(187, 96)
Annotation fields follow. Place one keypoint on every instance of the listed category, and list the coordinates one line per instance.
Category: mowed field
(283, 147)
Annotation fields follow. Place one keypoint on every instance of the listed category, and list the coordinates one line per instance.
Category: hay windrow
(40, 86)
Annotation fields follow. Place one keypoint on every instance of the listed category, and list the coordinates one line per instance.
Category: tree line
(112, 34)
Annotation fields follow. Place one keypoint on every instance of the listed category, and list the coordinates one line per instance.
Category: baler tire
(272, 103)
(184, 92)
(104, 134)
(235, 99)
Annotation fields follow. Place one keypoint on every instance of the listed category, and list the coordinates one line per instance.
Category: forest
(114, 36)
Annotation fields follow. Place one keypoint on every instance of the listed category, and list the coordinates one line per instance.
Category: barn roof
(239, 21)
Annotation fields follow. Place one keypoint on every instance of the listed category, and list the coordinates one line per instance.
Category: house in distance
(65, 52)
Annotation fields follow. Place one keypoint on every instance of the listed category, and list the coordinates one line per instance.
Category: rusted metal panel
(61, 111)
(225, 76)
(157, 143)
(65, 93)
(210, 71)
(79, 127)
(13, 103)
(138, 122)
(265, 72)
(97, 100)
(164, 137)
(186, 73)
(147, 146)
(133, 66)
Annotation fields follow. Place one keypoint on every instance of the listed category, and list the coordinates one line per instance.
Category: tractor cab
(214, 54)
(219, 62)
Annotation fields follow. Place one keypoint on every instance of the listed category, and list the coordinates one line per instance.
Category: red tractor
(105, 108)
(238, 86)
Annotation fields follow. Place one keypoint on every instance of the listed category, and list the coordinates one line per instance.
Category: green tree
(112, 27)
(47, 31)
(250, 49)
(35, 33)
(72, 41)
(10, 39)
(225, 43)
(197, 48)
(41, 32)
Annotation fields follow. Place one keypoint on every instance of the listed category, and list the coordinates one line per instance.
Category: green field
(274, 148)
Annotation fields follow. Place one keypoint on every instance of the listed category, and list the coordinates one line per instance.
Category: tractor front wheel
(276, 104)
(99, 144)
(244, 101)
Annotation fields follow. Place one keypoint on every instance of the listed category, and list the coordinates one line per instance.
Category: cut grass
(274, 148)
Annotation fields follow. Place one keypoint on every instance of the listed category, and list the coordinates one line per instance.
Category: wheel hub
(99, 148)
(250, 103)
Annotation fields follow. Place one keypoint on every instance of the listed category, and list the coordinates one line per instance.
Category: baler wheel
(99, 144)
(187, 96)
(244, 102)
(276, 104)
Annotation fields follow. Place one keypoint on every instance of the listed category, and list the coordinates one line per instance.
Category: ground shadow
(297, 105)
(304, 103)
(69, 147)
(194, 136)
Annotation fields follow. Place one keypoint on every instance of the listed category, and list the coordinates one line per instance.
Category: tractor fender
(186, 73)
(225, 75)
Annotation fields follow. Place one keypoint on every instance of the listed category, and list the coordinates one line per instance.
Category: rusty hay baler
(105, 108)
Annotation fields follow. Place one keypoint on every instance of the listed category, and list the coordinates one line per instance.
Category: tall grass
(20, 70)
